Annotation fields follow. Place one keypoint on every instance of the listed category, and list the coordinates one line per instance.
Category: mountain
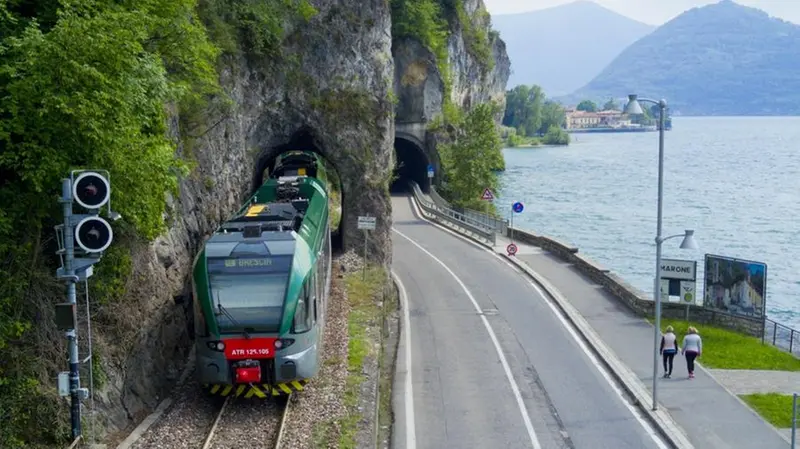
(562, 48)
(721, 59)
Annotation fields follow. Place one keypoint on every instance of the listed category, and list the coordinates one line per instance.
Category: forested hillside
(721, 59)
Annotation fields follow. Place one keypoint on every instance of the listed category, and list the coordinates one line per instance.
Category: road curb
(661, 419)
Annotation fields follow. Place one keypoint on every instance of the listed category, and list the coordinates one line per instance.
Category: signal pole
(93, 234)
(71, 334)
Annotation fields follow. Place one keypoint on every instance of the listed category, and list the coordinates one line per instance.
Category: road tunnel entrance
(303, 140)
(411, 164)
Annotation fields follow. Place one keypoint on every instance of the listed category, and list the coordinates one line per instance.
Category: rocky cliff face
(419, 83)
(470, 85)
(332, 92)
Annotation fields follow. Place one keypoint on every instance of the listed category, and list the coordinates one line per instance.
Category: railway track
(248, 423)
(196, 421)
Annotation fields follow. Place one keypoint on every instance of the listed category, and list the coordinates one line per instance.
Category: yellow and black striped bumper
(258, 390)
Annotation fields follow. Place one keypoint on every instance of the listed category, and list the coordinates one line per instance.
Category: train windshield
(247, 293)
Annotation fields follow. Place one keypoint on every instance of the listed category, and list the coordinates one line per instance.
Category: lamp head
(632, 107)
(688, 240)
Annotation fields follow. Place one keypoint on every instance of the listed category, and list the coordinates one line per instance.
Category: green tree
(553, 114)
(524, 110)
(611, 105)
(587, 106)
(472, 157)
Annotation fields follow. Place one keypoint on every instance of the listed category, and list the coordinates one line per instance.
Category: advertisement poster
(735, 286)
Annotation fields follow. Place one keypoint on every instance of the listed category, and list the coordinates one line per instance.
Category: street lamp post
(633, 108)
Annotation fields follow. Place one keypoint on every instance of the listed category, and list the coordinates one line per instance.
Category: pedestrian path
(742, 382)
(710, 416)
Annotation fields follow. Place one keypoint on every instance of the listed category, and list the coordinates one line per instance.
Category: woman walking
(669, 347)
(692, 348)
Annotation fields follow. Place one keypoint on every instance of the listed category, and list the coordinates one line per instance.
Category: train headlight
(278, 344)
(216, 345)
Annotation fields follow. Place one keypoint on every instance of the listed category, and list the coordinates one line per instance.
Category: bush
(556, 136)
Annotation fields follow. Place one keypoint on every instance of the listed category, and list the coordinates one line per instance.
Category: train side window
(302, 313)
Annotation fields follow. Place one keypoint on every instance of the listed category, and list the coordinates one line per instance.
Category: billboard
(735, 286)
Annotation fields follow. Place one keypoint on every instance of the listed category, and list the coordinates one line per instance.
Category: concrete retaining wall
(634, 298)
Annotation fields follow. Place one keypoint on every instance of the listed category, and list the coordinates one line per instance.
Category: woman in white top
(669, 347)
(692, 348)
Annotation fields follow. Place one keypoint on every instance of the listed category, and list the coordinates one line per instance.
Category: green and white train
(261, 285)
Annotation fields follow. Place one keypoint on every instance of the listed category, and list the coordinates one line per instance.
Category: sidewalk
(710, 416)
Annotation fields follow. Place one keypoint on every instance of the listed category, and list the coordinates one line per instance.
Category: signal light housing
(93, 234)
(91, 190)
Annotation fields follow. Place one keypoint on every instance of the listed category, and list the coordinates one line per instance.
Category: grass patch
(389, 336)
(774, 407)
(363, 323)
(726, 349)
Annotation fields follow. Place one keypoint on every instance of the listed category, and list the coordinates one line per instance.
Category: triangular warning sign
(487, 195)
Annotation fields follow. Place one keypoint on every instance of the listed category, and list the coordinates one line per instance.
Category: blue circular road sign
(518, 207)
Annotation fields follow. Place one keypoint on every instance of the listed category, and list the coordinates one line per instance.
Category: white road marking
(636, 413)
(651, 431)
(411, 431)
(514, 387)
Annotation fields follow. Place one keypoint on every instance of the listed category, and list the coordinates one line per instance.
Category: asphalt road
(470, 390)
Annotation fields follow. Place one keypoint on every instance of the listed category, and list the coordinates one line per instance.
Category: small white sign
(368, 223)
(688, 295)
(678, 269)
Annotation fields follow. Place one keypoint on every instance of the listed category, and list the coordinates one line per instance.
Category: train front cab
(266, 364)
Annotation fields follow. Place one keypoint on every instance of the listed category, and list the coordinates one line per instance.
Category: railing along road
(469, 223)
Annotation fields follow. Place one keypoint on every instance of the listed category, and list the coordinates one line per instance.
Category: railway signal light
(93, 234)
(91, 190)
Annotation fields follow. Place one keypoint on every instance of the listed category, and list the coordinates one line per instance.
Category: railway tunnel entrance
(411, 164)
(303, 140)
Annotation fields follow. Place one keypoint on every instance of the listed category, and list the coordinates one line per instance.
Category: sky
(654, 12)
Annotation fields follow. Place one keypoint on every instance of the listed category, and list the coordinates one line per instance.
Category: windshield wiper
(224, 311)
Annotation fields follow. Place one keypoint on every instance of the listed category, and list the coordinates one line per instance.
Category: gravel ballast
(322, 401)
(186, 423)
(249, 423)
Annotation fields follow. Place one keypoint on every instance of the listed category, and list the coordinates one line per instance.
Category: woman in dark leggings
(669, 347)
(692, 348)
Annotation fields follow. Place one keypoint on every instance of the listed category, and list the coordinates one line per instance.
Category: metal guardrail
(498, 224)
(453, 217)
(782, 337)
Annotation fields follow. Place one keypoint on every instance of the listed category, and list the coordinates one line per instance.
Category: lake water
(734, 180)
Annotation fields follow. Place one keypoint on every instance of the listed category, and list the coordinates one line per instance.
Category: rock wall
(331, 92)
(470, 84)
(636, 300)
(420, 86)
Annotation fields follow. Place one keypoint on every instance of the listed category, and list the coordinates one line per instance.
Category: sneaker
(691, 375)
